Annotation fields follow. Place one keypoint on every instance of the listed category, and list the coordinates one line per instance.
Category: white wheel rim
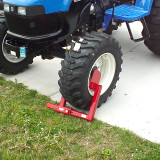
(9, 57)
(106, 64)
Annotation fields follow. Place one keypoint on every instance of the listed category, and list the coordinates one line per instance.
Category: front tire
(7, 66)
(78, 66)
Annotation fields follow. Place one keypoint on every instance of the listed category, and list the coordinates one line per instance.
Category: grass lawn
(29, 130)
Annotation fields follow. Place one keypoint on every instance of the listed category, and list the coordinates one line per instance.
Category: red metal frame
(94, 85)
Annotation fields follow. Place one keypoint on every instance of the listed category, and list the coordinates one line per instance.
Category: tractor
(79, 32)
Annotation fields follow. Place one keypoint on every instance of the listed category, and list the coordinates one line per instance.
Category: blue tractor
(78, 31)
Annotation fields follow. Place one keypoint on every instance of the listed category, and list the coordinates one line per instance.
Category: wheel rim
(10, 57)
(106, 64)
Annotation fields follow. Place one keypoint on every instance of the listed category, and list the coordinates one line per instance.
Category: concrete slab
(41, 76)
(135, 103)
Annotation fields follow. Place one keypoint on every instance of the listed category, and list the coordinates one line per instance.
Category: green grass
(29, 130)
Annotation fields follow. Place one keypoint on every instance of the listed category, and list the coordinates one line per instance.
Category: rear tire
(6, 66)
(153, 23)
(78, 66)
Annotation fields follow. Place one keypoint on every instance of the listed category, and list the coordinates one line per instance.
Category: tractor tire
(6, 66)
(97, 51)
(153, 23)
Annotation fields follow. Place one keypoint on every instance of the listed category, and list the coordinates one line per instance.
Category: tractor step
(94, 85)
(142, 38)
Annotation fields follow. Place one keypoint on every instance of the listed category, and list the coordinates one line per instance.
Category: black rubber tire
(77, 65)
(153, 23)
(7, 67)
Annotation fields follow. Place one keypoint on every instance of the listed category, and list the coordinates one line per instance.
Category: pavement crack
(53, 94)
(133, 48)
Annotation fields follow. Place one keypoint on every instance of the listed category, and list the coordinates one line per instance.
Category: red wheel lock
(94, 85)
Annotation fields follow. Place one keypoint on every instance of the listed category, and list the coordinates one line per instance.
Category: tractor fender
(51, 6)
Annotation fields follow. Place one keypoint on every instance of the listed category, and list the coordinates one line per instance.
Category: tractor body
(56, 20)
(44, 27)
(44, 20)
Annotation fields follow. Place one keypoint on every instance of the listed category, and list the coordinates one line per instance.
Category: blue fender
(51, 6)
